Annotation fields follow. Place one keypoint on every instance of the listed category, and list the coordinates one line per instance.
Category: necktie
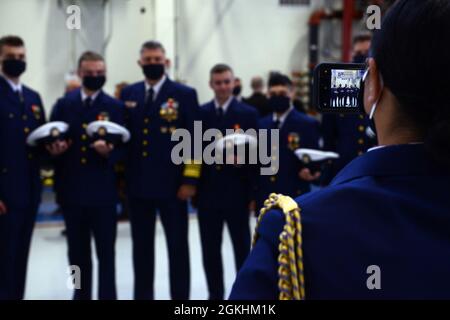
(150, 96)
(219, 113)
(276, 124)
(87, 102)
(19, 95)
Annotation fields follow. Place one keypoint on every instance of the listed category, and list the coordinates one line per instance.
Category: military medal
(169, 110)
(36, 111)
(293, 141)
(103, 116)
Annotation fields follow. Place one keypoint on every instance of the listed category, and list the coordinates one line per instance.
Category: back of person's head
(412, 53)
(257, 84)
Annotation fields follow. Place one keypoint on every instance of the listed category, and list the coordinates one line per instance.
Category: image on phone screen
(345, 85)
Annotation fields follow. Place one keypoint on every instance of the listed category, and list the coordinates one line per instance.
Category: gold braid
(291, 281)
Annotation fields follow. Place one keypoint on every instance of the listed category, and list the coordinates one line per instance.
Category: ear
(211, 84)
(139, 63)
(372, 87)
(291, 93)
(168, 63)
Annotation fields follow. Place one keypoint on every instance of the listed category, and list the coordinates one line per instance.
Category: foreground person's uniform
(21, 112)
(389, 208)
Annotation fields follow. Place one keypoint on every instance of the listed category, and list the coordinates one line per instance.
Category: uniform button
(85, 125)
(360, 153)
(11, 115)
(274, 158)
(83, 161)
(26, 130)
(24, 117)
(361, 116)
(274, 169)
(84, 137)
(30, 156)
(361, 128)
(146, 120)
(218, 168)
(274, 148)
(273, 179)
(361, 141)
(145, 154)
(83, 149)
(145, 131)
(145, 143)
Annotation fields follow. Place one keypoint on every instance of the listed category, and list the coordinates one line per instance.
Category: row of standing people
(85, 178)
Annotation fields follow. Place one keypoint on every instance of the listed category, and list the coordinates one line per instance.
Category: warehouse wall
(253, 36)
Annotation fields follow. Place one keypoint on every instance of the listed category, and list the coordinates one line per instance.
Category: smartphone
(336, 87)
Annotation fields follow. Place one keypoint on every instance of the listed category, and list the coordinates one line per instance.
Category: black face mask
(13, 67)
(94, 83)
(279, 104)
(237, 91)
(360, 58)
(153, 71)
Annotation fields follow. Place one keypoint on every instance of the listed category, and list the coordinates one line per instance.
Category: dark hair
(153, 45)
(89, 56)
(220, 68)
(412, 53)
(12, 41)
(362, 37)
(279, 79)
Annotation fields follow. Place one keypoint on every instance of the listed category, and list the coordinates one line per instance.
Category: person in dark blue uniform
(85, 177)
(380, 231)
(292, 177)
(21, 112)
(334, 95)
(226, 190)
(157, 107)
(348, 135)
(339, 96)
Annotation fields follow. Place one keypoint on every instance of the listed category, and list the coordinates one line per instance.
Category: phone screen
(336, 87)
(345, 85)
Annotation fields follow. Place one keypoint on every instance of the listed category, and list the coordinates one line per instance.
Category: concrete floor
(47, 269)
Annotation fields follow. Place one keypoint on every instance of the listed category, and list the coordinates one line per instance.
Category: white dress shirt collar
(15, 87)
(283, 117)
(157, 87)
(225, 105)
(84, 96)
